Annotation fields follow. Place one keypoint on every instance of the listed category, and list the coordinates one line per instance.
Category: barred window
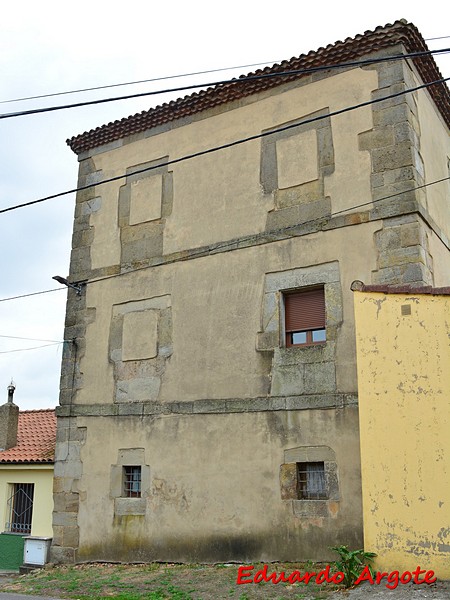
(132, 482)
(311, 481)
(20, 508)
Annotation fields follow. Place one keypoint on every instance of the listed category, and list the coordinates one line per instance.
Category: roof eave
(382, 38)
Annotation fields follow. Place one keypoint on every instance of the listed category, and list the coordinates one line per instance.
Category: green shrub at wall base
(11, 551)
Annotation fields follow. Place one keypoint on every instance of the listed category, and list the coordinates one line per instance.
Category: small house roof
(36, 438)
(359, 286)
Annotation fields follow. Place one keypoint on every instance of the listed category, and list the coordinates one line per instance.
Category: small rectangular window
(132, 482)
(305, 317)
(311, 481)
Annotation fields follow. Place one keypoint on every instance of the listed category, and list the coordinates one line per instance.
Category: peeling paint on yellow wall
(403, 362)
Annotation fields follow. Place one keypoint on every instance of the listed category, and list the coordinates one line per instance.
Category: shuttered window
(305, 317)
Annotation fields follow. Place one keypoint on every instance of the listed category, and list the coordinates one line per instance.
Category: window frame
(130, 481)
(20, 508)
(308, 331)
(304, 484)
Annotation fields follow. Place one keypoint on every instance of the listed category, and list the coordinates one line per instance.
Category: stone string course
(197, 407)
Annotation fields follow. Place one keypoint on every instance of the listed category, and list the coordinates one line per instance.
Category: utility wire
(59, 289)
(265, 234)
(114, 85)
(33, 348)
(152, 80)
(15, 337)
(228, 145)
(244, 80)
(224, 245)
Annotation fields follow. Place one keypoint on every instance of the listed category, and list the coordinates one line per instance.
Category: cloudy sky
(52, 46)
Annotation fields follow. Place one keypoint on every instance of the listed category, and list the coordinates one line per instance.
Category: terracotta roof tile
(36, 438)
(359, 286)
(400, 32)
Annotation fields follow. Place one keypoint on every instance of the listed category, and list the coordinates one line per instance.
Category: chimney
(9, 421)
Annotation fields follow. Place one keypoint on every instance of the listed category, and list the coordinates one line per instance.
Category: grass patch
(104, 581)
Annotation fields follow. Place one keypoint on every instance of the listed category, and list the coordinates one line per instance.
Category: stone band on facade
(226, 406)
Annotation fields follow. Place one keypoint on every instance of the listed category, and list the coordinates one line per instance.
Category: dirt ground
(194, 582)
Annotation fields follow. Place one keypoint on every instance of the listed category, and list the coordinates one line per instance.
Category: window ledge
(129, 506)
(315, 508)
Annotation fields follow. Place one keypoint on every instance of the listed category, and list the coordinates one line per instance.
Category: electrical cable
(230, 243)
(264, 234)
(114, 85)
(246, 79)
(227, 145)
(59, 289)
(166, 77)
(33, 348)
(15, 337)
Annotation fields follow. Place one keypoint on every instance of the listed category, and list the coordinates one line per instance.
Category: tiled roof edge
(36, 438)
(359, 286)
(37, 410)
(400, 32)
(47, 461)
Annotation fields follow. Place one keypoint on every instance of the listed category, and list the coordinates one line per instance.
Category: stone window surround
(305, 454)
(308, 332)
(129, 506)
(272, 335)
(301, 202)
(322, 127)
(305, 484)
(157, 167)
(132, 475)
(151, 369)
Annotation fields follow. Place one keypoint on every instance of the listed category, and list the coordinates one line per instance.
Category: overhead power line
(228, 244)
(244, 80)
(154, 79)
(16, 337)
(264, 234)
(227, 145)
(59, 289)
(33, 348)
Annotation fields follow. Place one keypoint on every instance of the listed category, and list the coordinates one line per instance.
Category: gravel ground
(435, 591)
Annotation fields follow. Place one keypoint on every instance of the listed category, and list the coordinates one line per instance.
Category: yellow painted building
(40, 476)
(403, 360)
(27, 448)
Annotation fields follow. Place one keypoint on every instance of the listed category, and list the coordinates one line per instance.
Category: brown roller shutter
(305, 310)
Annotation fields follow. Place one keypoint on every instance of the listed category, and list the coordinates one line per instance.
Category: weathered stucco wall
(214, 487)
(435, 152)
(208, 373)
(42, 477)
(440, 254)
(218, 196)
(404, 402)
(179, 356)
(216, 313)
